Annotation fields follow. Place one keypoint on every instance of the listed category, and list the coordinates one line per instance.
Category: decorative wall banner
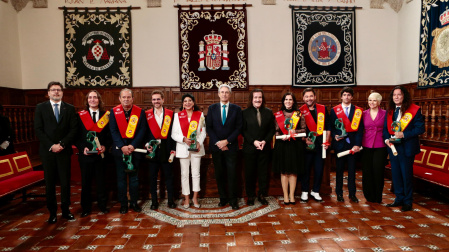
(434, 44)
(324, 52)
(98, 48)
(213, 48)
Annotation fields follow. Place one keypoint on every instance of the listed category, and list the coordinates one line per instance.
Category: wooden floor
(327, 226)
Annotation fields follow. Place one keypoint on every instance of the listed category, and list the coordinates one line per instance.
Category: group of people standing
(302, 136)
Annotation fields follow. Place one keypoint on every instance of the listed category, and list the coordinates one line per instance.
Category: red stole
(186, 126)
(127, 129)
(157, 132)
(89, 124)
(349, 126)
(280, 119)
(311, 124)
(405, 120)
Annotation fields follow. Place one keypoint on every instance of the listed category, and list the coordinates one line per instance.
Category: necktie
(224, 114)
(347, 114)
(56, 112)
(94, 117)
(396, 113)
(259, 118)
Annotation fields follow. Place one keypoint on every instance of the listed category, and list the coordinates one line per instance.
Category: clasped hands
(222, 145)
(291, 134)
(259, 144)
(56, 148)
(127, 149)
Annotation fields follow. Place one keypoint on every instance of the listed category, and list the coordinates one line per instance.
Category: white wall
(10, 65)
(155, 43)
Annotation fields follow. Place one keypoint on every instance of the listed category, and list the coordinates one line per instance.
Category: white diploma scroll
(344, 153)
(323, 153)
(141, 150)
(295, 135)
(97, 142)
(393, 149)
(172, 156)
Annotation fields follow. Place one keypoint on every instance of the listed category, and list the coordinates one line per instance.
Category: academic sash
(349, 126)
(405, 119)
(89, 124)
(158, 132)
(310, 122)
(280, 119)
(127, 129)
(186, 127)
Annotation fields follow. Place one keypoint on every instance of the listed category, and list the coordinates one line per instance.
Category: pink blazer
(372, 136)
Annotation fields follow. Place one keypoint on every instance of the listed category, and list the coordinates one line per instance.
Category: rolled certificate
(172, 156)
(295, 135)
(140, 150)
(393, 149)
(323, 153)
(344, 153)
(97, 142)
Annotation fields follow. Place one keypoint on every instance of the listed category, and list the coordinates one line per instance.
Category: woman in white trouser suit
(186, 121)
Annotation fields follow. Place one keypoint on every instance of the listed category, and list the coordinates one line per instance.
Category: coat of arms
(214, 53)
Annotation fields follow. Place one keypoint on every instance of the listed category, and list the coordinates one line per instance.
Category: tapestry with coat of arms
(434, 44)
(97, 48)
(213, 48)
(324, 52)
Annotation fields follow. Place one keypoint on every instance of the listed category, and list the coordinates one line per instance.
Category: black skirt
(288, 157)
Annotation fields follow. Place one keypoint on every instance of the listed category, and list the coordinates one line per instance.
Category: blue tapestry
(434, 45)
(323, 47)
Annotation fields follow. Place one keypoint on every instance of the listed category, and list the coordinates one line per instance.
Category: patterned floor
(312, 226)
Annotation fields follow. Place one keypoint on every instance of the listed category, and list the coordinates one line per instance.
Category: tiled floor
(327, 226)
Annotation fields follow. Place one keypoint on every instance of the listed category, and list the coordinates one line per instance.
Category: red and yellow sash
(405, 119)
(186, 127)
(311, 124)
(157, 132)
(89, 122)
(127, 129)
(280, 119)
(349, 126)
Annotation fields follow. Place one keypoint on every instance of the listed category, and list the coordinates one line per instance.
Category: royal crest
(213, 54)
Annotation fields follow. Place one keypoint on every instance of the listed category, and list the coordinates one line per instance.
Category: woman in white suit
(188, 120)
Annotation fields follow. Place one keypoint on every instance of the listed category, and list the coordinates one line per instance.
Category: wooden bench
(16, 173)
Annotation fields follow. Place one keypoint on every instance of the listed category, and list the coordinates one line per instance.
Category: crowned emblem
(214, 54)
(444, 17)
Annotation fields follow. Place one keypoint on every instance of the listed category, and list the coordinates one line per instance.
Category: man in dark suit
(6, 135)
(258, 130)
(93, 120)
(128, 129)
(401, 109)
(223, 125)
(351, 117)
(56, 126)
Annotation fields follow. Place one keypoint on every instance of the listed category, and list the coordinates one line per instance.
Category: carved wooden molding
(154, 3)
(20, 4)
(396, 5)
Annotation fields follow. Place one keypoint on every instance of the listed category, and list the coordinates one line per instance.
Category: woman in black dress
(288, 158)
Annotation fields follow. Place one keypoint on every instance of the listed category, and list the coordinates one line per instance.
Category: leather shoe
(406, 208)
(250, 202)
(68, 216)
(135, 207)
(354, 199)
(154, 206)
(104, 210)
(340, 198)
(262, 200)
(52, 219)
(235, 206)
(85, 213)
(222, 203)
(395, 204)
(171, 204)
(123, 209)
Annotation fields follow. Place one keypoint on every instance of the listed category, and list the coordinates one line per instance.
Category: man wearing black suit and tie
(56, 126)
(93, 121)
(258, 130)
(352, 117)
(223, 125)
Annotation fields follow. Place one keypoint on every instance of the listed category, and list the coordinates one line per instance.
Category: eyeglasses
(55, 90)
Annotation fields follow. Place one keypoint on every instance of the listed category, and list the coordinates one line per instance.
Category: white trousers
(195, 162)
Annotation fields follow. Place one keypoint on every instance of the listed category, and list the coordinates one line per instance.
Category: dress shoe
(235, 206)
(222, 203)
(68, 216)
(340, 198)
(104, 210)
(154, 206)
(124, 209)
(395, 204)
(354, 199)
(85, 213)
(52, 219)
(262, 200)
(250, 201)
(286, 203)
(171, 204)
(197, 205)
(304, 196)
(406, 208)
(292, 202)
(135, 207)
(316, 196)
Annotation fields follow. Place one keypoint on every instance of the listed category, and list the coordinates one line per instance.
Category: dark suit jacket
(217, 131)
(81, 141)
(251, 130)
(6, 134)
(166, 146)
(49, 132)
(410, 141)
(354, 137)
(118, 141)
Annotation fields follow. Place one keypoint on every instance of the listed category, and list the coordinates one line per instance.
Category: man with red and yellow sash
(402, 109)
(352, 121)
(317, 120)
(160, 120)
(93, 118)
(128, 129)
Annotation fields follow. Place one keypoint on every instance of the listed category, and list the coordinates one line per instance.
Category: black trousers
(350, 159)
(92, 167)
(256, 168)
(167, 169)
(374, 160)
(57, 165)
(315, 159)
(123, 178)
(225, 174)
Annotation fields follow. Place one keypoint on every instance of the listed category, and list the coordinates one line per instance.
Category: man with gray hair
(223, 125)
